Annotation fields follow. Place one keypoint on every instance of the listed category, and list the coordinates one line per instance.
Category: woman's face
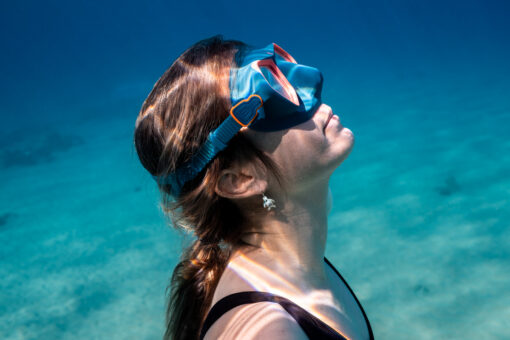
(308, 152)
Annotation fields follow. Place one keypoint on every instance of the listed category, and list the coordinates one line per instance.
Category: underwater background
(420, 226)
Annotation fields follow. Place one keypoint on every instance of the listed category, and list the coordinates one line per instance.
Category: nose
(324, 111)
(325, 108)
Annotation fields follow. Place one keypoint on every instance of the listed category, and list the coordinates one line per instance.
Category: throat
(279, 272)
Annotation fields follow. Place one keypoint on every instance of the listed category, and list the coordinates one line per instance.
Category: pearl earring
(268, 203)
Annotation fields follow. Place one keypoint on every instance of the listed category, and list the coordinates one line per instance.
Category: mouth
(327, 120)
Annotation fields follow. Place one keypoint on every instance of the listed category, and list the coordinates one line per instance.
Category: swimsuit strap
(370, 332)
(313, 327)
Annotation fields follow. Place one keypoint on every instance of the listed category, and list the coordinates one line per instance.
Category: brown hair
(189, 101)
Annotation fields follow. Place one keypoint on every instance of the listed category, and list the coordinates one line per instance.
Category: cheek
(299, 155)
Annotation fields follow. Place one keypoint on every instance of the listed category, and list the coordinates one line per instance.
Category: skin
(288, 243)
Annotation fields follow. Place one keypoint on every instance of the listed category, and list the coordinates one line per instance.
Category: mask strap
(241, 115)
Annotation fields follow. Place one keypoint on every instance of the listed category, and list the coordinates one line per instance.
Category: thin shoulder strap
(308, 322)
(370, 333)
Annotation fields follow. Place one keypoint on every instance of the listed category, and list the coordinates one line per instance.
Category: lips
(327, 120)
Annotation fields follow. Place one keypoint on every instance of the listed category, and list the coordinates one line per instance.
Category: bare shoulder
(256, 321)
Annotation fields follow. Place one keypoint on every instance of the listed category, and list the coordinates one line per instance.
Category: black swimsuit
(313, 327)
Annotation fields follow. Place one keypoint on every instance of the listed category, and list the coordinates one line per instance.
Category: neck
(288, 244)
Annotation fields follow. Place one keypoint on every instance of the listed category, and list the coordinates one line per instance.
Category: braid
(201, 266)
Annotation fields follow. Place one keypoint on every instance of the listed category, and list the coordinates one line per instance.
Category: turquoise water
(419, 226)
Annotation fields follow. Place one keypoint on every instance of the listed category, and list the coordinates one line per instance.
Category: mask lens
(277, 80)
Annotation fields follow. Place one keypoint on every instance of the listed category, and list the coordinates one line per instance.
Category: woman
(242, 150)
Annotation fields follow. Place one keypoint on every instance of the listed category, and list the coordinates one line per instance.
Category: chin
(347, 134)
(344, 145)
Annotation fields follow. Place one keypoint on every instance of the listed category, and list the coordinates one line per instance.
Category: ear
(240, 182)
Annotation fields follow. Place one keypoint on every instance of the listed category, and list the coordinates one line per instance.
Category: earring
(268, 203)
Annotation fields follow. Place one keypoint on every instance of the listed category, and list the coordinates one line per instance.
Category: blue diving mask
(269, 91)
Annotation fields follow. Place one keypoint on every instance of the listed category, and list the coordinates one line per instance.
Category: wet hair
(189, 101)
